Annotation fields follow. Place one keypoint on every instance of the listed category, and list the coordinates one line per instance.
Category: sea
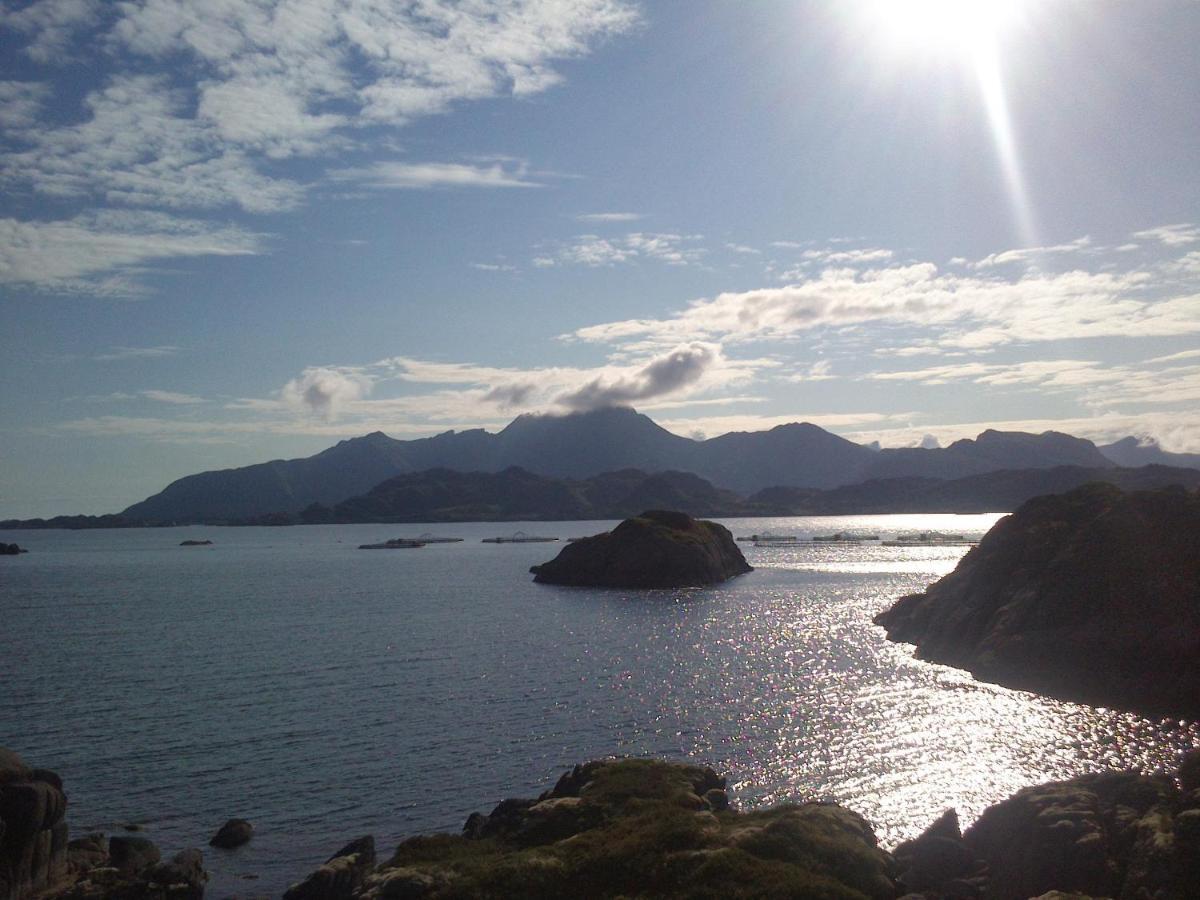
(324, 692)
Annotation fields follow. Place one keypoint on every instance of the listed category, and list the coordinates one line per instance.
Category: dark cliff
(1092, 595)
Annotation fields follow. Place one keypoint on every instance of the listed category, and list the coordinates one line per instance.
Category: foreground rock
(637, 828)
(1116, 834)
(657, 549)
(36, 859)
(1092, 595)
(33, 832)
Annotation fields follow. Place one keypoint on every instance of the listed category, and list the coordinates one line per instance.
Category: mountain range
(582, 445)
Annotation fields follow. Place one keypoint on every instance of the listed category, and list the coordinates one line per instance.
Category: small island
(657, 549)
(192, 542)
(11, 550)
(1091, 596)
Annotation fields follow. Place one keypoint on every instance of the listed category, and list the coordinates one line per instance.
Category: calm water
(283, 676)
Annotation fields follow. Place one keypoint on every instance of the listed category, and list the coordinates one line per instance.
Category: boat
(519, 538)
(760, 539)
(393, 544)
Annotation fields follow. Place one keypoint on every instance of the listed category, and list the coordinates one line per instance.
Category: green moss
(649, 834)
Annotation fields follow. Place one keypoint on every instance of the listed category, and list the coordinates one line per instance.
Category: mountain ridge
(581, 445)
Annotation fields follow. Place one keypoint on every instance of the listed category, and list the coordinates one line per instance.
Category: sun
(940, 28)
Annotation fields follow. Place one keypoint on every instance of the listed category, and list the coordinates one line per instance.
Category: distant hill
(444, 495)
(1132, 452)
(992, 492)
(583, 445)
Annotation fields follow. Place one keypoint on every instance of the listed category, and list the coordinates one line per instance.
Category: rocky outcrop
(657, 549)
(1092, 595)
(638, 828)
(11, 550)
(1117, 834)
(131, 869)
(33, 831)
(342, 876)
(232, 834)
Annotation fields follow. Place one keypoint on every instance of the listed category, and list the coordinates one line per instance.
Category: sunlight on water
(283, 676)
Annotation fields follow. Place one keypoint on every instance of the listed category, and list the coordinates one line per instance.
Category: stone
(658, 549)
(233, 833)
(130, 855)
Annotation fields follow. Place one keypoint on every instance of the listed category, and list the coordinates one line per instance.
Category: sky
(239, 230)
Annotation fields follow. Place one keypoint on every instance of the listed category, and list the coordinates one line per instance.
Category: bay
(284, 676)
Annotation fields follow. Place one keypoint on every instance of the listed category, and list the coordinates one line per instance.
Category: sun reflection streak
(995, 102)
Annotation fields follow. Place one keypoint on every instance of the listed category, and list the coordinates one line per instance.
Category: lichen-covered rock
(642, 828)
(658, 549)
(33, 832)
(1092, 595)
(1105, 835)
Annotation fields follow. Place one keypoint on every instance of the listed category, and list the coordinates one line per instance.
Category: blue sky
(236, 230)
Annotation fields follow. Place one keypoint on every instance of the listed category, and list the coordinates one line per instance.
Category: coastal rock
(639, 827)
(130, 855)
(1092, 596)
(11, 550)
(658, 549)
(1105, 835)
(341, 876)
(232, 834)
(33, 832)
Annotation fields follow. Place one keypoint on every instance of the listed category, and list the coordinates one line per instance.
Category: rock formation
(1115, 834)
(36, 859)
(657, 549)
(637, 828)
(33, 832)
(1092, 595)
(11, 550)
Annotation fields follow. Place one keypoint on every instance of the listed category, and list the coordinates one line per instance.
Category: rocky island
(1091, 596)
(657, 549)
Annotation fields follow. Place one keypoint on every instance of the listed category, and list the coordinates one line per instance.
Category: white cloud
(969, 312)
(743, 249)
(493, 267)
(254, 82)
(53, 26)
(425, 176)
(324, 391)
(1171, 235)
(117, 354)
(593, 250)
(1033, 254)
(21, 103)
(104, 253)
(608, 217)
(173, 397)
(665, 375)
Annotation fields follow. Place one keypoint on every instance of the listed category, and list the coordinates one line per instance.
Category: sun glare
(940, 27)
